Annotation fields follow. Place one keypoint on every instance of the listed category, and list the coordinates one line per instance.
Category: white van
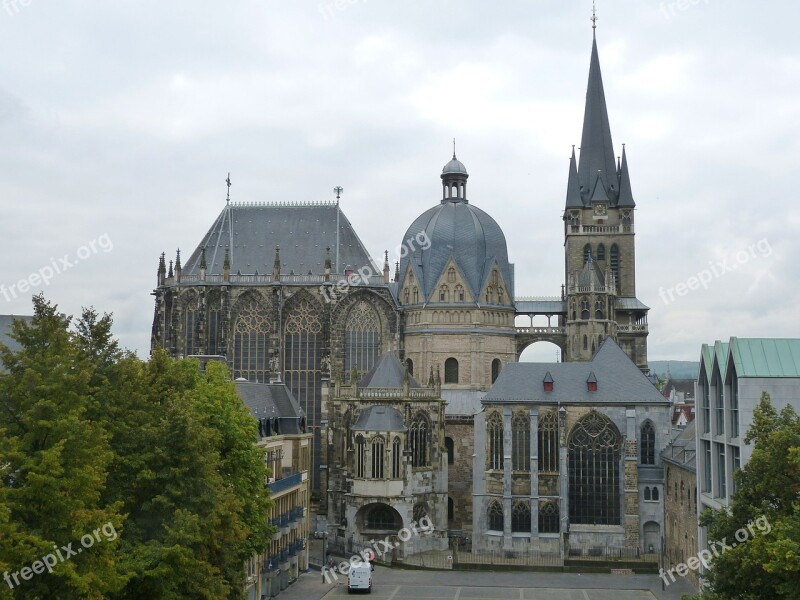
(360, 578)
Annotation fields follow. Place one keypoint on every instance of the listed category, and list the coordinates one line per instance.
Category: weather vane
(338, 191)
(228, 181)
(594, 15)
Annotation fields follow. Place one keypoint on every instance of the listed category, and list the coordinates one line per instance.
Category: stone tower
(599, 248)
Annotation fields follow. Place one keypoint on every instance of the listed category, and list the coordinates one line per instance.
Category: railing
(631, 328)
(588, 289)
(355, 279)
(538, 299)
(587, 229)
(541, 330)
(281, 485)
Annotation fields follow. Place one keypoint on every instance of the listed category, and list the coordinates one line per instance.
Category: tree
(764, 515)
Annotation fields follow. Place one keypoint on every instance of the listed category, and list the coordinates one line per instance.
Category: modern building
(680, 500)
(287, 448)
(567, 456)
(733, 376)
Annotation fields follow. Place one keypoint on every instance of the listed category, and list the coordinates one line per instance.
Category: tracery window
(361, 454)
(495, 514)
(377, 458)
(647, 444)
(420, 441)
(397, 453)
(521, 517)
(362, 338)
(585, 314)
(548, 443)
(549, 521)
(214, 327)
(598, 309)
(251, 342)
(443, 294)
(521, 442)
(191, 333)
(594, 471)
(460, 293)
(416, 296)
(494, 430)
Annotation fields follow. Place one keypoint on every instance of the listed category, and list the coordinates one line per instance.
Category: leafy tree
(766, 505)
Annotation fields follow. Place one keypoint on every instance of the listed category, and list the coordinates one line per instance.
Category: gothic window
(397, 453)
(521, 442)
(585, 314)
(251, 342)
(598, 309)
(416, 296)
(451, 370)
(574, 312)
(450, 447)
(381, 517)
(405, 296)
(521, 517)
(377, 458)
(495, 277)
(615, 263)
(303, 343)
(489, 292)
(647, 444)
(361, 452)
(549, 518)
(459, 293)
(495, 516)
(191, 333)
(655, 494)
(494, 431)
(548, 443)
(410, 366)
(451, 275)
(594, 471)
(420, 441)
(587, 253)
(214, 327)
(585, 343)
(443, 294)
(601, 252)
(496, 367)
(574, 218)
(362, 338)
(500, 294)
(626, 220)
(647, 494)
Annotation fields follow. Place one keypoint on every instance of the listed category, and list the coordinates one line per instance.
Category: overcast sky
(120, 120)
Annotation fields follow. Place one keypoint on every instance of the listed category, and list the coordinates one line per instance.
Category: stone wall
(680, 517)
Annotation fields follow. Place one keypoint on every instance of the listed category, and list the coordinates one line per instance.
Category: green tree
(766, 505)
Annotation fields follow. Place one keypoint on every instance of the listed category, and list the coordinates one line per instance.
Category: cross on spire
(338, 191)
(454, 147)
(228, 182)
(594, 15)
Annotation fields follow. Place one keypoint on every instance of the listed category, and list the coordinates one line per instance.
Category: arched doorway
(652, 537)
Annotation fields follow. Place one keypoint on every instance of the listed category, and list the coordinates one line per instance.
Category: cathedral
(408, 374)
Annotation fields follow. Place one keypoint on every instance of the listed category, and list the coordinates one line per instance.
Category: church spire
(597, 150)
(625, 193)
(573, 187)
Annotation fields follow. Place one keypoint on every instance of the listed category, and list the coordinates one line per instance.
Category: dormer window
(591, 383)
(548, 382)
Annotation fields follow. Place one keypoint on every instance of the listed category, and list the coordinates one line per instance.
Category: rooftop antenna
(338, 191)
(228, 182)
(594, 15)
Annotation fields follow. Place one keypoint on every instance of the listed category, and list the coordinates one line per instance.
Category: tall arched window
(191, 333)
(362, 338)
(573, 310)
(410, 366)
(647, 444)
(585, 343)
(495, 514)
(647, 495)
(601, 252)
(521, 442)
(397, 453)
(416, 296)
(598, 309)
(377, 457)
(585, 314)
(615, 263)
(548, 443)
(214, 330)
(451, 370)
(549, 518)
(451, 275)
(587, 253)
(451, 450)
(420, 441)
(361, 454)
(496, 366)
(251, 341)
(595, 450)
(494, 434)
(521, 517)
(655, 493)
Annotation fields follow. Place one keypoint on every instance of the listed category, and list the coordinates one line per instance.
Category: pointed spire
(397, 271)
(170, 273)
(386, 266)
(573, 187)
(599, 192)
(625, 193)
(178, 267)
(162, 269)
(597, 149)
(431, 381)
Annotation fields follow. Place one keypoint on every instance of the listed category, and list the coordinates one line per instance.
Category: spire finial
(228, 182)
(338, 191)
(454, 148)
(594, 15)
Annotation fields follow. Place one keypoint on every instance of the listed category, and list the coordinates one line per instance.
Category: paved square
(433, 592)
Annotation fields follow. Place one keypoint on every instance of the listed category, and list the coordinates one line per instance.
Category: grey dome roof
(460, 231)
(454, 166)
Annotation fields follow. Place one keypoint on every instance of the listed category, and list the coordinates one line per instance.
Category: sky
(119, 122)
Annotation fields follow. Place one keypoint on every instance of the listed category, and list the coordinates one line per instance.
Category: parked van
(360, 578)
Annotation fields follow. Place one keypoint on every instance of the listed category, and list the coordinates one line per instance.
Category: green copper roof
(766, 357)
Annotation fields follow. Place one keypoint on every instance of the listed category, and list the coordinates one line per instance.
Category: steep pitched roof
(682, 450)
(303, 232)
(619, 381)
(573, 186)
(272, 402)
(625, 193)
(765, 357)
(388, 372)
(379, 418)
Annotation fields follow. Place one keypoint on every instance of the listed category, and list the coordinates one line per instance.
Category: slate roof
(388, 372)
(765, 357)
(460, 231)
(679, 385)
(270, 403)
(542, 306)
(379, 418)
(5, 330)
(619, 381)
(682, 450)
(303, 232)
(628, 303)
(462, 403)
